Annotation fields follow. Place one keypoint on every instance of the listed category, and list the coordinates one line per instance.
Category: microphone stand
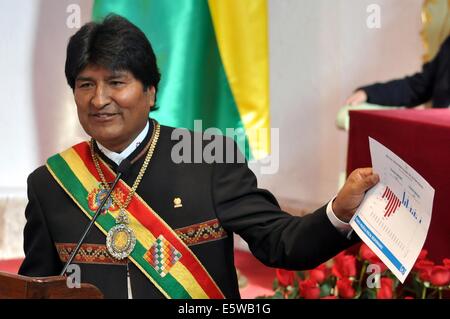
(123, 167)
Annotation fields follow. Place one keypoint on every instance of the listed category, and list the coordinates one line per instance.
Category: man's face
(112, 106)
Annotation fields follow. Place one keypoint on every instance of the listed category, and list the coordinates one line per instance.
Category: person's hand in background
(356, 98)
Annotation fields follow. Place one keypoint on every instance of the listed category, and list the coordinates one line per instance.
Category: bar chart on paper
(394, 217)
(393, 203)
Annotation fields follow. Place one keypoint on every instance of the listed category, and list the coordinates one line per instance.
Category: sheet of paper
(395, 215)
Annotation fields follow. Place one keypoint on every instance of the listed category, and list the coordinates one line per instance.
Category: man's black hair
(116, 44)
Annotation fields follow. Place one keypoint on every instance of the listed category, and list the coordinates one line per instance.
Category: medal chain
(154, 139)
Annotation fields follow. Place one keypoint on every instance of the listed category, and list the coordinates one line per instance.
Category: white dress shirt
(118, 157)
(343, 227)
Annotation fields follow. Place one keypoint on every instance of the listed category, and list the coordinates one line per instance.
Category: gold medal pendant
(121, 240)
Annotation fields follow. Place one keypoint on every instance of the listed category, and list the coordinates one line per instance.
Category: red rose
(425, 274)
(318, 274)
(440, 276)
(423, 254)
(345, 289)
(409, 297)
(366, 253)
(424, 268)
(424, 263)
(344, 266)
(446, 262)
(309, 289)
(386, 289)
(285, 277)
(380, 264)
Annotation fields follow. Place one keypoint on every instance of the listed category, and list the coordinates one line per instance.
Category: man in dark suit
(168, 229)
(431, 84)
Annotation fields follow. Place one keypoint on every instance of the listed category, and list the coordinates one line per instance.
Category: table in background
(422, 139)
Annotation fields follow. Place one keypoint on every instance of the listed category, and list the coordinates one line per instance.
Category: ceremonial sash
(159, 253)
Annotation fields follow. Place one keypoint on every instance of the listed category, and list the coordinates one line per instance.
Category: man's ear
(151, 95)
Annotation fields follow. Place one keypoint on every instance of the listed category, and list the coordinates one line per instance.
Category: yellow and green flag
(213, 57)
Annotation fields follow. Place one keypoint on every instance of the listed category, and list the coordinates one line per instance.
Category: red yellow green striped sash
(184, 275)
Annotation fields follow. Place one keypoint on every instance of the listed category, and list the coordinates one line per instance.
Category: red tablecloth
(422, 139)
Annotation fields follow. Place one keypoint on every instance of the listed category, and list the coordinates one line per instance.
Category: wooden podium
(14, 286)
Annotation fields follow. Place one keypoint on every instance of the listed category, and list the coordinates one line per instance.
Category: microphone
(123, 169)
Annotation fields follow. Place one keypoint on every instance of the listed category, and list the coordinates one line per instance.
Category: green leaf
(368, 294)
(278, 295)
(358, 293)
(325, 290)
(293, 294)
(417, 287)
(275, 284)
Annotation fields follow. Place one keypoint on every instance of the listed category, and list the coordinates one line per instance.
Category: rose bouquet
(363, 275)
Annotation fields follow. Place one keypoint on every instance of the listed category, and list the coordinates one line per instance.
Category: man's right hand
(356, 98)
(352, 193)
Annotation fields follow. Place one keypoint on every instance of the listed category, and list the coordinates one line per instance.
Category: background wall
(320, 51)
(37, 113)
